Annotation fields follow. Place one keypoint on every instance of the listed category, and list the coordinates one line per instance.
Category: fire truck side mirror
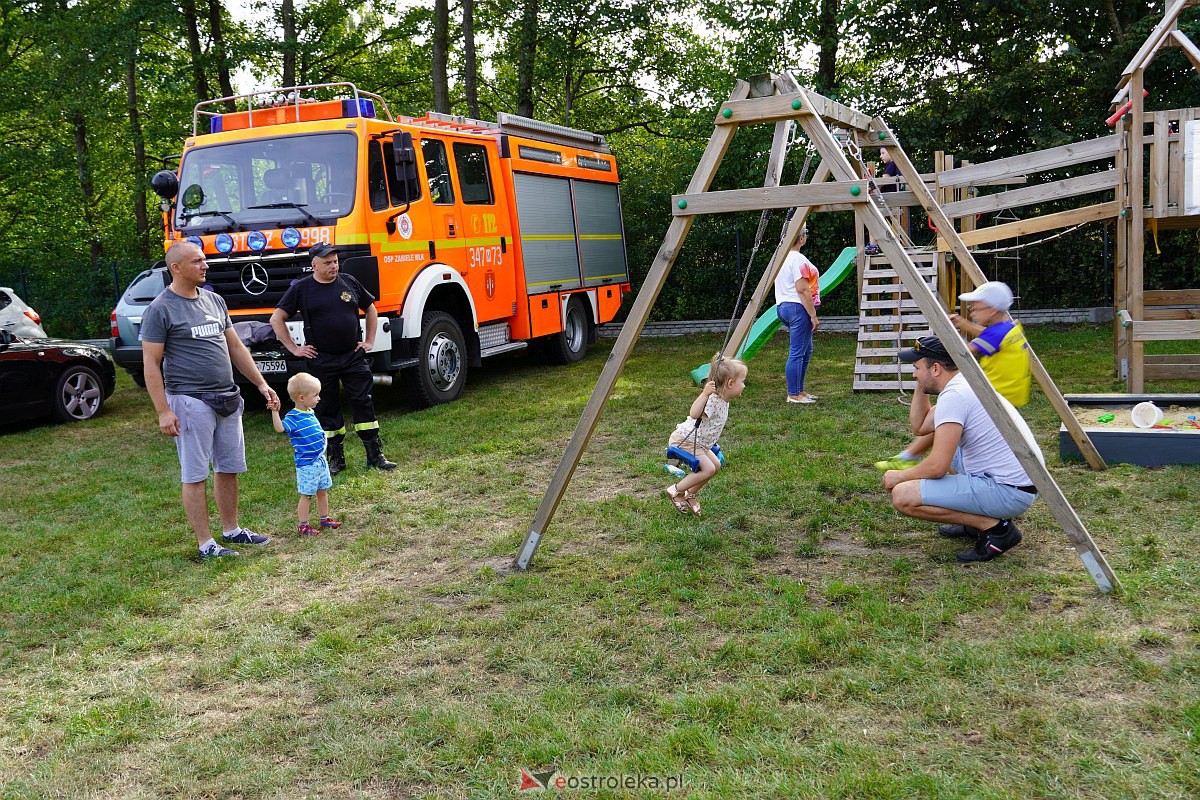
(165, 184)
(405, 165)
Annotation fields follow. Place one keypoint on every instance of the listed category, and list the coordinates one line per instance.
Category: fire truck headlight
(196, 240)
(290, 237)
(224, 242)
(256, 241)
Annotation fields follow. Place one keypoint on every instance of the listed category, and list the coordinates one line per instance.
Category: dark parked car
(65, 380)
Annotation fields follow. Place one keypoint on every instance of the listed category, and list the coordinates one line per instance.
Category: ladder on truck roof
(520, 126)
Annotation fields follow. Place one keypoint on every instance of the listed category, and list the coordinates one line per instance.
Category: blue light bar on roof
(366, 108)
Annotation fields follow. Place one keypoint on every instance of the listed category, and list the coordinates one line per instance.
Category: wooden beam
(1165, 330)
(677, 231)
(1046, 222)
(1189, 49)
(1150, 47)
(1067, 187)
(768, 197)
(1171, 297)
(1038, 161)
(759, 109)
(833, 111)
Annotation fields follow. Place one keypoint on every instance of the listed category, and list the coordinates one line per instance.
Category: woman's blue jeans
(800, 335)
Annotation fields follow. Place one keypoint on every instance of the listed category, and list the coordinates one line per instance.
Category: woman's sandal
(692, 502)
(678, 499)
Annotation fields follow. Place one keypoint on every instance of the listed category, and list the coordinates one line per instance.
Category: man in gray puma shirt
(189, 350)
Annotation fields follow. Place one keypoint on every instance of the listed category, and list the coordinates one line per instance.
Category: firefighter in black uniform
(334, 351)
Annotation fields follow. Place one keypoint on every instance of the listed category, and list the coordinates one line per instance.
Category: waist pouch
(224, 403)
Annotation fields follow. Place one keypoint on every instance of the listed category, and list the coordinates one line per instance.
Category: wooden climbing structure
(840, 183)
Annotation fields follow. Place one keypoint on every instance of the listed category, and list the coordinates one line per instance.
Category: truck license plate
(272, 367)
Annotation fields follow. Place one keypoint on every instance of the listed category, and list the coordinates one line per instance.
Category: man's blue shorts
(975, 494)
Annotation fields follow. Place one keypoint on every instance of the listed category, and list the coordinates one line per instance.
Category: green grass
(801, 640)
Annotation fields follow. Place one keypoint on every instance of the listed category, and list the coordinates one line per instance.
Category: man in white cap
(999, 344)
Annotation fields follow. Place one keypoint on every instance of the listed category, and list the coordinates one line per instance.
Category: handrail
(294, 98)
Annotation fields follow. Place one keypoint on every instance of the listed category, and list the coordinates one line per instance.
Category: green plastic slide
(769, 322)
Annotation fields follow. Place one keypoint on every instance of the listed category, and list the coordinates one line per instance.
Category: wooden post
(718, 144)
(1136, 248)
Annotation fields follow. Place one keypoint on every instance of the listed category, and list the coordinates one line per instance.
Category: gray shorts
(207, 439)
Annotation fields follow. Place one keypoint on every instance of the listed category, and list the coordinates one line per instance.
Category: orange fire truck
(476, 238)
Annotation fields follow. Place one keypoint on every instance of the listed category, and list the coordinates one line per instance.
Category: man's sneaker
(245, 536)
(896, 462)
(215, 550)
(959, 532)
(304, 529)
(871, 250)
(330, 522)
(992, 543)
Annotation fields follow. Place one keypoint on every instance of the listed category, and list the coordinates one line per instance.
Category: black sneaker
(992, 543)
(959, 532)
(245, 536)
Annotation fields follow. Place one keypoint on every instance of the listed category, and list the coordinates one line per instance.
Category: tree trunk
(194, 49)
(527, 57)
(827, 35)
(139, 154)
(215, 10)
(470, 68)
(86, 187)
(441, 44)
(287, 20)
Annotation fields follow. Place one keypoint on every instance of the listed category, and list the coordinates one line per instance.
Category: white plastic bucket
(1146, 415)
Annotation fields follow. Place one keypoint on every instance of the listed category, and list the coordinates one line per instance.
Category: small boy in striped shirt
(308, 440)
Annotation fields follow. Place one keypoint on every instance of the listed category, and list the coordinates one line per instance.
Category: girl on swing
(700, 431)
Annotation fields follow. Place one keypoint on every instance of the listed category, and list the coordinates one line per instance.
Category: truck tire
(571, 344)
(441, 374)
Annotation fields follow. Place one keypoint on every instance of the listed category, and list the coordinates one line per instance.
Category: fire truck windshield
(290, 180)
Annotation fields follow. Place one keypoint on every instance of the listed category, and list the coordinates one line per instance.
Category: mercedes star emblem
(254, 278)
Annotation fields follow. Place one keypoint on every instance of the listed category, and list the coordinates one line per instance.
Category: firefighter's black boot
(335, 452)
(375, 456)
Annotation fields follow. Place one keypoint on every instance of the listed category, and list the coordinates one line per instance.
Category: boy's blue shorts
(313, 477)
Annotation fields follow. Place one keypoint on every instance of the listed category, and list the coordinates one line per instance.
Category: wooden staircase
(889, 319)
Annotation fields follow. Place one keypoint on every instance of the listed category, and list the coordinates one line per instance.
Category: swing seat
(677, 458)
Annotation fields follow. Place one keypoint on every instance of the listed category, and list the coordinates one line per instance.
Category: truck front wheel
(441, 374)
(570, 345)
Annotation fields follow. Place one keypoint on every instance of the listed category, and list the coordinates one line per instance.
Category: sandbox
(1175, 441)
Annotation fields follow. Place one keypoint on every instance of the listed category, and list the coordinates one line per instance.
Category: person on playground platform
(999, 344)
(334, 351)
(988, 486)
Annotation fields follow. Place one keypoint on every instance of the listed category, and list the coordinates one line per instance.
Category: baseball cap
(993, 294)
(321, 249)
(930, 347)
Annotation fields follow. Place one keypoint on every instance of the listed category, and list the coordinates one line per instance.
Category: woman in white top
(797, 295)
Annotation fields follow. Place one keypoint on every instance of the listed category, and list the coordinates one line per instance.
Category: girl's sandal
(692, 502)
(678, 499)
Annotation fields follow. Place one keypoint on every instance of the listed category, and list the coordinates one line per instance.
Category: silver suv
(125, 344)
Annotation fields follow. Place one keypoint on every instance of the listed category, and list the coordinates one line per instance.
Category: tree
(441, 47)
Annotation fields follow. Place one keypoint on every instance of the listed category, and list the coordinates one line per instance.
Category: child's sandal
(678, 499)
(693, 503)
